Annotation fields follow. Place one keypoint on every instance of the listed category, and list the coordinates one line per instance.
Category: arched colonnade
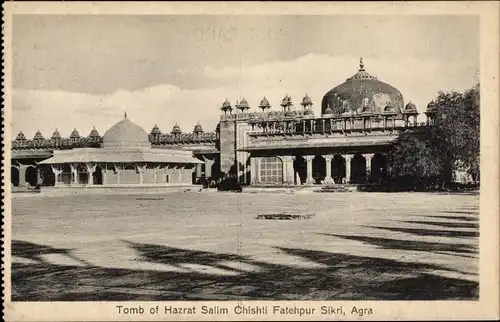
(357, 168)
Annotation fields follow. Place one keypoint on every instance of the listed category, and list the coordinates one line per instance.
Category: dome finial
(361, 65)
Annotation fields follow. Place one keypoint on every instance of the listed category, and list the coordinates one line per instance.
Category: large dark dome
(362, 89)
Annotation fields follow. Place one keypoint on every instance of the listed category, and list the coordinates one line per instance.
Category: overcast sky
(80, 71)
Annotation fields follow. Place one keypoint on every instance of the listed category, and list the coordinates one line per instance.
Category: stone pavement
(359, 246)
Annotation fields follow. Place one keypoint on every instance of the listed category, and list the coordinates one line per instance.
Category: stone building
(125, 159)
(285, 145)
(348, 143)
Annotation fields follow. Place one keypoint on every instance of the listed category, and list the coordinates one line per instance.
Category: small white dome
(126, 134)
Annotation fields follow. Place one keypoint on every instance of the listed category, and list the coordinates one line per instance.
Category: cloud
(165, 104)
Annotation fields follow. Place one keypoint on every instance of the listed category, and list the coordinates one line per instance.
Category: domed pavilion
(349, 142)
(362, 92)
(125, 158)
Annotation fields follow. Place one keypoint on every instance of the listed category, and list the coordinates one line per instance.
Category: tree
(413, 161)
(456, 131)
(430, 155)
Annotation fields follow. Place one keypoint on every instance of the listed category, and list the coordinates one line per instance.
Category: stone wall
(227, 145)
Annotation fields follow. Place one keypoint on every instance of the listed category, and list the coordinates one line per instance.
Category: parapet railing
(86, 142)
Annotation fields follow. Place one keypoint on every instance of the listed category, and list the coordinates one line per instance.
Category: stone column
(74, 172)
(22, 175)
(155, 173)
(198, 170)
(348, 158)
(328, 166)
(141, 169)
(179, 171)
(309, 159)
(90, 171)
(288, 169)
(118, 173)
(258, 170)
(208, 167)
(104, 172)
(254, 170)
(368, 158)
(57, 172)
(39, 177)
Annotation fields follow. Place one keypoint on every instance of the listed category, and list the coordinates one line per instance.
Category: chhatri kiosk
(125, 158)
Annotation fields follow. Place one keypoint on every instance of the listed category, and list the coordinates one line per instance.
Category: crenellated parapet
(55, 144)
(347, 122)
(265, 115)
(184, 138)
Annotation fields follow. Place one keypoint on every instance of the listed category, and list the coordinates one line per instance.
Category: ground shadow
(32, 251)
(443, 224)
(463, 218)
(431, 232)
(462, 212)
(177, 256)
(412, 245)
(339, 277)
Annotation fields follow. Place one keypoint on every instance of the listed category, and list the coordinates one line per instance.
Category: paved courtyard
(191, 246)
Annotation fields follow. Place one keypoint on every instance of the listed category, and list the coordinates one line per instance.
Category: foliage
(431, 154)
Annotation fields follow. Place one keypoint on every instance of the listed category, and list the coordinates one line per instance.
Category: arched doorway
(271, 170)
(66, 174)
(14, 176)
(46, 175)
(299, 170)
(358, 169)
(378, 168)
(318, 169)
(338, 168)
(31, 176)
(83, 175)
(97, 175)
(129, 174)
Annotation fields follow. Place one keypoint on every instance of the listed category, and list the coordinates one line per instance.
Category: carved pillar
(74, 173)
(208, 167)
(104, 172)
(155, 173)
(198, 170)
(309, 159)
(179, 171)
(57, 172)
(22, 175)
(254, 170)
(258, 170)
(141, 169)
(90, 171)
(288, 169)
(348, 158)
(118, 170)
(328, 168)
(368, 158)
(39, 177)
